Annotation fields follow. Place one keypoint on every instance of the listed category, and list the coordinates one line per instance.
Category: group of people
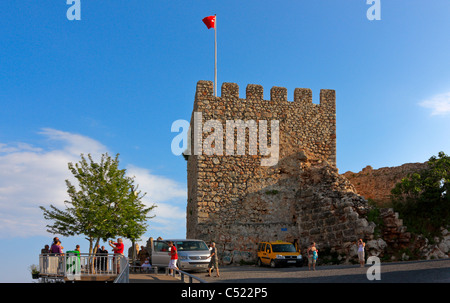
(313, 254)
(55, 248)
(100, 264)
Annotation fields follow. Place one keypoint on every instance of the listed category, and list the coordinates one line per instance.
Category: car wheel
(259, 263)
(272, 264)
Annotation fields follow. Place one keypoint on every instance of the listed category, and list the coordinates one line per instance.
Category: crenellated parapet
(304, 125)
(255, 93)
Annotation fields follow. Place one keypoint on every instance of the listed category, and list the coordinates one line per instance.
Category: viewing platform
(73, 266)
(108, 268)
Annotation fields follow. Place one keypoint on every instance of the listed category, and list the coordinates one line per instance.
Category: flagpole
(215, 56)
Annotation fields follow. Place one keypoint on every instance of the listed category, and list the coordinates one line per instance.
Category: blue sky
(117, 79)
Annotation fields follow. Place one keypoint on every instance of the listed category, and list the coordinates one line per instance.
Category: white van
(192, 254)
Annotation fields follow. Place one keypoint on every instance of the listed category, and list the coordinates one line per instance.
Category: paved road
(436, 271)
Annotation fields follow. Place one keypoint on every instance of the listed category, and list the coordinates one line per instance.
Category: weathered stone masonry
(376, 184)
(236, 202)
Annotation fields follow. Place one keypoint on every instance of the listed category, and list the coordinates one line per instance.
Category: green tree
(105, 204)
(423, 198)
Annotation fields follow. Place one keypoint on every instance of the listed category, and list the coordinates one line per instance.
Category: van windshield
(283, 248)
(191, 245)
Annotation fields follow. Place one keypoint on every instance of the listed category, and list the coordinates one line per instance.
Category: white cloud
(170, 198)
(33, 176)
(439, 104)
(158, 188)
(160, 191)
(5, 148)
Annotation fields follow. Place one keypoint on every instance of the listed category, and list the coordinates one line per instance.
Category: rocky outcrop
(438, 248)
(376, 184)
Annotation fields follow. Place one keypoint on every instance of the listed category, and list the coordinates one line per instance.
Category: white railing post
(183, 274)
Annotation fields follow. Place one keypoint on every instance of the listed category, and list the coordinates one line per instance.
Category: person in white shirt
(361, 246)
(146, 265)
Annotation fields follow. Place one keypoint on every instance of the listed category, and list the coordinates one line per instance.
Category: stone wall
(376, 184)
(236, 202)
(217, 182)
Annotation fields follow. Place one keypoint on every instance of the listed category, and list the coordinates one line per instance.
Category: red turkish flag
(210, 21)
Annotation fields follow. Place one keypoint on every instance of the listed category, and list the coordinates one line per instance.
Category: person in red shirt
(118, 250)
(118, 246)
(173, 257)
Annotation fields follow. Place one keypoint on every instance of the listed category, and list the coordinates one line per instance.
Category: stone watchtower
(247, 164)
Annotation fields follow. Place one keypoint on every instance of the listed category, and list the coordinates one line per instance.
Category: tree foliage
(104, 204)
(423, 198)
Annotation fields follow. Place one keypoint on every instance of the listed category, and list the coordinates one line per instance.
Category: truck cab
(278, 253)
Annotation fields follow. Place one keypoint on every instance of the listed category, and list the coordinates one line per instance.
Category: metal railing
(183, 274)
(72, 266)
(176, 273)
(124, 275)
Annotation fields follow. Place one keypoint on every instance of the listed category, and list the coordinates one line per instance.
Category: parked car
(193, 255)
(278, 253)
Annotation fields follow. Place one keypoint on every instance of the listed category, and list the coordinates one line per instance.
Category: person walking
(214, 262)
(173, 257)
(361, 246)
(313, 255)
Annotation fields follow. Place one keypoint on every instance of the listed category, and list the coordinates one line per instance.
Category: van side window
(161, 246)
(268, 248)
